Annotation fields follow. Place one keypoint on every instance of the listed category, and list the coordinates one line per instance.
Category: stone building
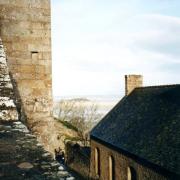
(28, 132)
(25, 29)
(21, 154)
(140, 137)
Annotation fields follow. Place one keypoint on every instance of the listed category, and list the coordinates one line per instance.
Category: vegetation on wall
(78, 115)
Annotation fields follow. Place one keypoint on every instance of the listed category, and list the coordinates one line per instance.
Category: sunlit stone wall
(25, 30)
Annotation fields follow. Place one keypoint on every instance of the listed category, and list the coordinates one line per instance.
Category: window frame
(111, 166)
(131, 173)
(97, 161)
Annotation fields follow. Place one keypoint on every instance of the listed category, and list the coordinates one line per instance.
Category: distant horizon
(88, 96)
(121, 93)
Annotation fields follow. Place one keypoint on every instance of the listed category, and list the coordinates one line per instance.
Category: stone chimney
(132, 82)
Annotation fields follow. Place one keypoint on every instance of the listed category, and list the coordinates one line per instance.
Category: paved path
(22, 157)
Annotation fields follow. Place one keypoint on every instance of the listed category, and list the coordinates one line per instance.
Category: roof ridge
(157, 86)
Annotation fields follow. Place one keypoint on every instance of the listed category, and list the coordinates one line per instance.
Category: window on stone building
(97, 162)
(34, 55)
(131, 173)
(111, 168)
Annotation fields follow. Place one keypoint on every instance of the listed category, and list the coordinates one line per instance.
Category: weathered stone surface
(61, 168)
(21, 155)
(26, 34)
(22, 158)
(25, 165)
(8, 110)
(25, 29)
(132, 82)
(70, 178)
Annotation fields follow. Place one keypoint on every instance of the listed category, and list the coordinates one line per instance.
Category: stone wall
(21, 155)
(26, 33)
(121, 163)
(78, 158)
(25, 29)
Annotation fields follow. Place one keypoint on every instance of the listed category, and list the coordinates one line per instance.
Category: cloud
(160, 34)
(94, 46)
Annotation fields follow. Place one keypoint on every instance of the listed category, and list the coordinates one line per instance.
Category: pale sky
(96, 42)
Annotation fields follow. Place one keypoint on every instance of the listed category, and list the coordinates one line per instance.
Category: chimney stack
(132, 82)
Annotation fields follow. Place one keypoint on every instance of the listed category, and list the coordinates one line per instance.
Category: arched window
(131, 173)
(97, 161)
(111, 168)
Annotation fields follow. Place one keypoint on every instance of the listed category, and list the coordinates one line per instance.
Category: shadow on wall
(18, 101)
(78, 158)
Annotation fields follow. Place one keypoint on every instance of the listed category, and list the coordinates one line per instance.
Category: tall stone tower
(25, 30)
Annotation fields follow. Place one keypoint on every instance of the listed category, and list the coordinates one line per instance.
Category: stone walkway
(22, 157)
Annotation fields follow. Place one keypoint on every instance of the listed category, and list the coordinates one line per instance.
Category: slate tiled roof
(146, 124)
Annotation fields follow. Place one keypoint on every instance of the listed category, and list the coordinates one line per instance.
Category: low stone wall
(78, 158)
